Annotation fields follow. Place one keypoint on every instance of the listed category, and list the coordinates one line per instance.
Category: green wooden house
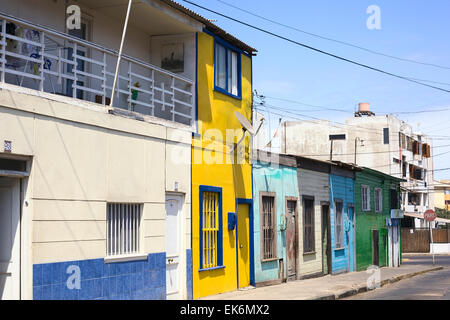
(377, 219)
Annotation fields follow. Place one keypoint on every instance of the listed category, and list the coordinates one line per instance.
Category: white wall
(83, 158)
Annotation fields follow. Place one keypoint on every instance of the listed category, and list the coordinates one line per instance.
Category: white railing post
(163, 97)
(74, 68)
(130, 95)
(153, 92)
(41, 69)
(104, 79)
(173, 99)
(59, 67)
(3, 55)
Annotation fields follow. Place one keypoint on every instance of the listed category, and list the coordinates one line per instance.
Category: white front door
(174, 248)
(9, 239)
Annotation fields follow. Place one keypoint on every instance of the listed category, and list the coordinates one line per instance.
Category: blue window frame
(211, 246)
(227, 69)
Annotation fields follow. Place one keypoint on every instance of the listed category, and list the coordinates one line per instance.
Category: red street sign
(429, 215)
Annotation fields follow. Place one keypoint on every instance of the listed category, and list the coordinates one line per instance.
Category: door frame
(352, 244)
(296, 200)
(182, 241)
(248, 202)
(328, 251)
(377, 249)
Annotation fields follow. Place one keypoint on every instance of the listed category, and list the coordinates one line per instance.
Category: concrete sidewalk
(329, 287)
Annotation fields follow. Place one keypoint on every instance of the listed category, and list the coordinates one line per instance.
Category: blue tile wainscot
(133, 280)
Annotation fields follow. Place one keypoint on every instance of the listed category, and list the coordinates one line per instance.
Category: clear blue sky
(410, 29)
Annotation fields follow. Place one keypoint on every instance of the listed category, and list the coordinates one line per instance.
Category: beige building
(384, 143)
(95, 202)
(442, 194)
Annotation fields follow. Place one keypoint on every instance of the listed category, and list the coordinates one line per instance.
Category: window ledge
(213, 268)
(125, 258)
(309, 253)
(219, 89)
(269, 260)
(338, 249)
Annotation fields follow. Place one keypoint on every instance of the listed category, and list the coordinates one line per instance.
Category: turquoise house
(275, 206)
(342, 217)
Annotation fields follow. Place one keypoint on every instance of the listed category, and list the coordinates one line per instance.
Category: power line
(375, 131)
(347, 111)
(340, 41)
(293, 111)
(318, 50)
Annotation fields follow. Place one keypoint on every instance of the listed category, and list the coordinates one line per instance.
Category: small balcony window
(227, 70)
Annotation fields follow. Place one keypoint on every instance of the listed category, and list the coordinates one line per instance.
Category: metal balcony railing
(47, 60)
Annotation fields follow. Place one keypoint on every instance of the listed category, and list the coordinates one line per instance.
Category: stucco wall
(281, 180)
(83, 158)
(313, 184)
(209, 167)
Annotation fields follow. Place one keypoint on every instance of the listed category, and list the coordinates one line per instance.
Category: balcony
(47, 60)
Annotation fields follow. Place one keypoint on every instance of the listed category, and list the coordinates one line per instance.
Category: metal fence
(42, 59)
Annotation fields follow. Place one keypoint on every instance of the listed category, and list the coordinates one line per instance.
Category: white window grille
(123, 228)
(365, 198)
(339, 225)
(378, 199)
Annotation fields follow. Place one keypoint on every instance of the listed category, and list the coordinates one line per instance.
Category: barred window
(268, 228)
(123, 228)
(365, 198)
(308, 225)
(378, 199)
(211, 229)
(339, 224)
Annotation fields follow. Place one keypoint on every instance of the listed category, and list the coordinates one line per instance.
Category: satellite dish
(245, 123)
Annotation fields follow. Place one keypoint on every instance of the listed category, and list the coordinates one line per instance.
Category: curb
(363, 288)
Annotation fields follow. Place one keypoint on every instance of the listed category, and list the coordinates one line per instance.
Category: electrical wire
(319, 50)
(340, 41)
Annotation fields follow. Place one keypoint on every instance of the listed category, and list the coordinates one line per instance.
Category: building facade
(99, 196)
(221, 171)
(342, 218)
(442, 194)
(314, 234)
(275, 211)
(383, 143)
(377, 221)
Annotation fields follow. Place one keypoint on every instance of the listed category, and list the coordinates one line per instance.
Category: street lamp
(356, 144)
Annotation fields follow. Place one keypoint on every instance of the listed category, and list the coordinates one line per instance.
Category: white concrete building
(384, 143)
(95, 203)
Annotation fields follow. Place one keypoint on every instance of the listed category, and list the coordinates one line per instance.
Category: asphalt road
(429, 286)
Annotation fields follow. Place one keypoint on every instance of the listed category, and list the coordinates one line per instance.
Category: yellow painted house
(221, 168)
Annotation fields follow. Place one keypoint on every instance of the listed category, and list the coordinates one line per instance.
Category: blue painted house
(275, 197)
(342, 217)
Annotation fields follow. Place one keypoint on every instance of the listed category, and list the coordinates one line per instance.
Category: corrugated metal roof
(212, 27)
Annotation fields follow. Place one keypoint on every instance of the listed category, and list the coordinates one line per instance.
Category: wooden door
(375, 248)
(326, 239)
(291, 239)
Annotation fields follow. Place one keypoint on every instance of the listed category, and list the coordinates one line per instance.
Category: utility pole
(356, 145)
